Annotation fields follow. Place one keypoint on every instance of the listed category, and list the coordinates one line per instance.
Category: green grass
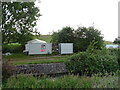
(19, 56)
(68, 81)
(46, 38)
(16, 56)
(38, 62)
(20, 59)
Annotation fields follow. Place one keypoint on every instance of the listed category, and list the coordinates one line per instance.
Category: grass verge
(68, 81)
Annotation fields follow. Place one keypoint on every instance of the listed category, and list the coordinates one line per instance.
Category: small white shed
(37, 46)
(66, 48)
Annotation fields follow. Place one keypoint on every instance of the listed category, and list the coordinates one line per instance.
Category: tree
(63, 36)
(18, 21)
(84, 36)
(81, 38)
(116, 41)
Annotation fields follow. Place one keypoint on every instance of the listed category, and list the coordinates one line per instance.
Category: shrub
(114, 51)
(13, 48)
(98, 61)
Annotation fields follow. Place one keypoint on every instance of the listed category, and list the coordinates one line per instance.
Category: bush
(13, 48)
(114, 51)
(98, 61)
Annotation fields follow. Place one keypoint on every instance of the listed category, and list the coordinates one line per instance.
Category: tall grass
(68, 81)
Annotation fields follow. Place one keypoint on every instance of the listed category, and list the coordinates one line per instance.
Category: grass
(47, 82)
(108, 42)
(16, 56)
(68, 81)
(107, 82)
(38, 62)
(46, 38)
(20, 59)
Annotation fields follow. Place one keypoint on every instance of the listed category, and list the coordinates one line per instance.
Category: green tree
(63, 36)
(84, 36)
(81, 38)
(18, 21)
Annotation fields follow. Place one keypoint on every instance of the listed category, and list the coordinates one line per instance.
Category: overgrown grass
(45, 82)
(68, 81)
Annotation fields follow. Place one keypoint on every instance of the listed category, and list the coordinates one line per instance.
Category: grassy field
(67, 81)
(20, 59)
(46, 38)
(108, 42)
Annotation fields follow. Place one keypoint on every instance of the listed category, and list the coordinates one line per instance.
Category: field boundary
(41, 69)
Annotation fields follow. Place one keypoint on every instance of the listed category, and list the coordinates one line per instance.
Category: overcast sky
(57, 14)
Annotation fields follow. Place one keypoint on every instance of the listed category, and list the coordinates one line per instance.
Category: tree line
(81, 37)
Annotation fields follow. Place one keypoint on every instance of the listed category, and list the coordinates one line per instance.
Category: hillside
(46, 38)
(108, 42)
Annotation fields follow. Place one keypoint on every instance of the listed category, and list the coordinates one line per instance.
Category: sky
(102, 14)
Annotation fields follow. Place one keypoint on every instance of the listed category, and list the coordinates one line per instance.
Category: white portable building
(112, 46)
(66, 48)
(37, 46)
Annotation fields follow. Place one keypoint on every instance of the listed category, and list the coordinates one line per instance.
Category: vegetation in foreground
(68, 81)
(103, 63)
(94, 61)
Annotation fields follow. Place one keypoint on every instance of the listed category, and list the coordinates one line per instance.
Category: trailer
(66, 48)
(38, 47)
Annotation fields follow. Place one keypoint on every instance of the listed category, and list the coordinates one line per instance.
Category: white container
(111, 46)
(66, 48)
(40, 48)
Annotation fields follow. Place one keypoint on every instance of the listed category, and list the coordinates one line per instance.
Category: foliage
(97, 61)
(108, 81)
(13, 48)
(116, 52)
(116, 41)
(68, 81)
(84, 36)
(81, 38)
(63, 36)
(18, 21)
(7, 70)
(45, 82)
